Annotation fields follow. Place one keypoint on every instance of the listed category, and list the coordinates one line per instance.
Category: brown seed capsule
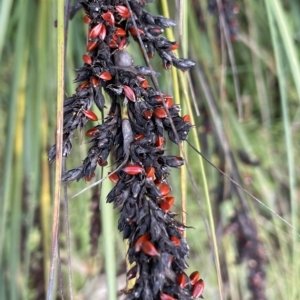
(91, 132)
(123, 11)
(147, 114)
(120, 32)
(114, 178)
(133, 169)
(95, 81)
(87, 19)
(92, 45)
(181, 280)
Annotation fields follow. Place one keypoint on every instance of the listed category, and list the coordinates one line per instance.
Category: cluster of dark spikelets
(157, 249)
(229, 9)
(250, 249)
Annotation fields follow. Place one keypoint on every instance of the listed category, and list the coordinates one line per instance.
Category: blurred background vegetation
(246, 87)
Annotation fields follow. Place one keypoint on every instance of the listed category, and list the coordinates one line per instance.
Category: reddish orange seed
(87, 59)
(95, 31)
(160, 113)
(194, 277)
(123, 43)
(198, 289)
(89, 178)
(164, 189)
(160, 142)
(123, 11)
(169, 102)
(82, 86)
(186, 118)
(114, 178)
(139, 137)
(133, 169)
(87, 19)
(144, 84)
(95, 81)
(164, 296)
(102, 163)
(92, 132)
(112, 44)
(91, 46)
(120, 32)
(135, 32)
(139, 241)
(90, 115)
(129, 93)
(157, 181)
(102, 33)
(147, 114)
(105, 76)
(149, 249)
(167, 203)
(109, 18)
(175, 240)
(181, 280)
(150, 172)
(174, 47)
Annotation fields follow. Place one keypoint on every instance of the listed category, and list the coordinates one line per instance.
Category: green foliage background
(267, 71)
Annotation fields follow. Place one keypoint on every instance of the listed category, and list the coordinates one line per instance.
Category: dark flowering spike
(164, 22)
(183, 64)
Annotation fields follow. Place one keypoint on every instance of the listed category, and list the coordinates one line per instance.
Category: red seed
(160, 142)
(90, 115)
(173, 47)
(89, 178)
(105, 76)
(112, 44)
(123, 11)
(92, 132)
(181, 280)
(164, 189)
(109, 18)
(135, 32)
(133, 169)
(150, 55)
(144, 84)
(123, 43)
(164, 296)
(157, 181)
(95, 31)
(82, 86)
(120, 32)
(102, 163)
(95, 81)
(87, 59)
(186, 118)
(139, 241)
(114, 178)
(150, 172)
(87, 19)
(175, 240)
(139, 137)
(167, 203)
(102, 33)
(160, 113)
(169, 102)
(91, 46)
(194, 277)
(129, 93)
(149, 249)
(198, 288)
(147, 114)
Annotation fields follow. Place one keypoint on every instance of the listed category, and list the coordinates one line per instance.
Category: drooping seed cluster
(229, 9)
(250, 249)
(136, 135)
